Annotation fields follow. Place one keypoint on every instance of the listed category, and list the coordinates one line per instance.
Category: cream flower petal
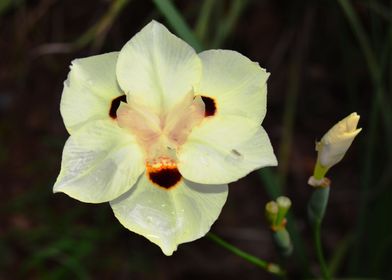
(100, 162)
(170, 217)
(224, 149)
(158, 67)
(237, 84)
(89, 90)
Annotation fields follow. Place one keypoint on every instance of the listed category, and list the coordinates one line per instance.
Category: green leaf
(177, 21)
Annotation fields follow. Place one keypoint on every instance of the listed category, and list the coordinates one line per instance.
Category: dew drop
(203, 161)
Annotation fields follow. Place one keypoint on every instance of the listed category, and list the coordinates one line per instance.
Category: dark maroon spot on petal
(163, 172)
(115, 104)
(165, 178)
(210, 106)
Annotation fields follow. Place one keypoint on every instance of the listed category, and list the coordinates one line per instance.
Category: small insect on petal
(163, 172)
(115, 104)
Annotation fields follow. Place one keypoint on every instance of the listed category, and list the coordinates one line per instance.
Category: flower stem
(177, 21)
(267, 266)
(319, 171)
(316, 210)
(319, 250)
(283, 242)
(98, 31)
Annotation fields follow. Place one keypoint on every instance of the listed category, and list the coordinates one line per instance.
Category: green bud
(271, 213)
(275, 269)
(284, 204)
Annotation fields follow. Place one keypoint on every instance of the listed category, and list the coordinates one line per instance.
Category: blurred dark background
(326, 58)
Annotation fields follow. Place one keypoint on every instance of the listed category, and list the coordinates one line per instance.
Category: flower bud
(284, 204)
(275, 213)
(271, 213)
(335, 143)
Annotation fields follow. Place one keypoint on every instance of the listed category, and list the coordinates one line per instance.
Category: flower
(335, 143)
(159, 131)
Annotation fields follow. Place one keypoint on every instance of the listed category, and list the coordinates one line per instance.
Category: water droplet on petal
(204, 161)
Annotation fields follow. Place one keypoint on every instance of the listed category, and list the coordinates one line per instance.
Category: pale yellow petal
(169, 217)
(89, 90)
(237, 84)
(158, 68)
(100, 162)
(223, 150)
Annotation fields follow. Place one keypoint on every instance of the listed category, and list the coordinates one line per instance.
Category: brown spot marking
(163, 172)
(210, 106)
(236, 153)
(115, 104)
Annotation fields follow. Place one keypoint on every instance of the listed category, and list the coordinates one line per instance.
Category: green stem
(228, 23)
(340, 253)
(283, 242)
(267, 266)
(374, 69)
(289, 116)
(203, 21)
(316, 210)
(319, 251)
(319, 171)
(98, 30)
(177, 21)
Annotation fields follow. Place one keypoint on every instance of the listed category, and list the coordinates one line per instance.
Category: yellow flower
(158, 131)
(335, 143)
